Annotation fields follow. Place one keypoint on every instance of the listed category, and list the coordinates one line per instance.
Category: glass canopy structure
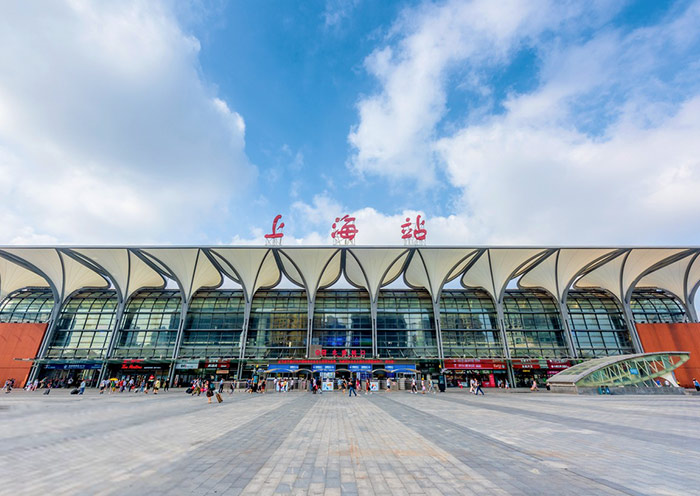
(515, 307)
(625, 370)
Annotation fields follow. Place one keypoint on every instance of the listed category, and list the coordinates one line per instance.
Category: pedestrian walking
(696, 384)
(478, 389)
(431, 387)
(156, 386)
(414, 389)
(352, 388)
(166, 385)
(82, 387)
(534, 386)
(388, 384)
(221, 385)
(422, 386)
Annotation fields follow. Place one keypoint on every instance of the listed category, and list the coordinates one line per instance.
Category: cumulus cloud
(603, 148)
(108, 133)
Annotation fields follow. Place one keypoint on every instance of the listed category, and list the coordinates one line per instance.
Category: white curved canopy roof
(432, 268)
(311, 268)
(252, 268)
(558, 270)
(14, 277)
(496, 267)
(679, 277)
(64, 273)
(189, 267)
(372, 269)
(127, 271)
(620, 275)
(617, 270)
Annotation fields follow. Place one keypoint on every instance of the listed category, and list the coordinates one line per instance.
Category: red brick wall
(18, 341)
(674, 337)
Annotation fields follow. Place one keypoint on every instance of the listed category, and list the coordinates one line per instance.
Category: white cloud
(108, 133)
(397, 124)
(604, 149)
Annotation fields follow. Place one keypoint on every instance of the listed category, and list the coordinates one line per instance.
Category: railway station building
(502, 313)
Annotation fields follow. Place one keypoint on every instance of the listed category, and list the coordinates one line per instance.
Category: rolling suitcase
(219, 398)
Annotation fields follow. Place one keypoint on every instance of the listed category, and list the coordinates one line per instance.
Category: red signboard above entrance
(475, 364)
(302, 362)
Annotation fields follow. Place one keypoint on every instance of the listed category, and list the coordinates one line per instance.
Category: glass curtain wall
(27, 306)
(150, 324)
(343, 322)
(597, 324)
(278, 324)
(405, 325)
(469, 325)
(533, 325)
(84, 326)
(214, 325)
(654, 306)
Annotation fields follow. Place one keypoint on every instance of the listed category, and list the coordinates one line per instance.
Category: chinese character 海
(346, 232)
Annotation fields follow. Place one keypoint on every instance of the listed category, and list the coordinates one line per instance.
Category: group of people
(282, 385)
(425, 386)
(133, 385)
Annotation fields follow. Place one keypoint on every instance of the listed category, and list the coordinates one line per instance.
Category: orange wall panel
(18, 341)
(674, 337)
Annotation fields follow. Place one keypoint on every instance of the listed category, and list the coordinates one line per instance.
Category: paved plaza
(384, 443)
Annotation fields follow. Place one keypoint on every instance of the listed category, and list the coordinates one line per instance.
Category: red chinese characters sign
(323, 353)
(344, 230)
(275, 237)
(414, 234)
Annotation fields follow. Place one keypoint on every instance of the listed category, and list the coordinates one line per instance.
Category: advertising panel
(323, 368)
(360, 367)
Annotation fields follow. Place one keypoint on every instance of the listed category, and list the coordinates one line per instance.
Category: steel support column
(504, 339)
(566, 326)
(631, 327)
(373, 312)
(438, 331)
(244, 338)
(178, 340)
(48, 335)
(309, 325)
(112, 339)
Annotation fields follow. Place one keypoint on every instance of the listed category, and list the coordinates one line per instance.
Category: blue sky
(515, 122)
